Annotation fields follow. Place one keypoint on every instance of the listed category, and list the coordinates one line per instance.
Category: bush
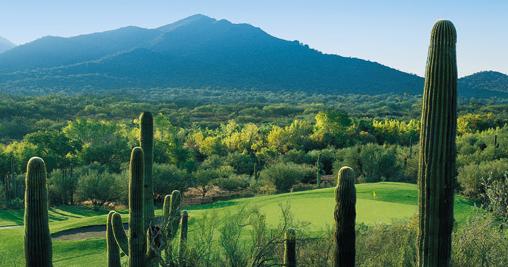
(480, 242)
(167, 177)
(386, 245)
(371, 162)
(302, 187)
(285, 175)
(233, 183)
(470, 177)
(100, 187)
(326, 156)
(241, 162)
(496, 195)
(62, 186)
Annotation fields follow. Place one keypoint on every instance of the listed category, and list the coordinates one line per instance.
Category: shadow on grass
(11, 217)
(215, 205)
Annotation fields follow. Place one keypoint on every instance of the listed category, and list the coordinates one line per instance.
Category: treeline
(208, 108)
(86, 157)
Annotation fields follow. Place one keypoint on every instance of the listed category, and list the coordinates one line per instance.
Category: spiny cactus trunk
(290, 248)
(37, 238)
(136, 219)
(437, 171)
(183, 238)
(318, 171)
(345, 216)
(146, 143)
(111, 244)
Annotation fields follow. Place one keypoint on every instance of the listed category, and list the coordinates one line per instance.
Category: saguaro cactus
(38, 250)
(135, 244)
(290, 248)
(437, 171)
(183, 237)
(146, 143)
(318, 171)
(345, 216)
(112, 246)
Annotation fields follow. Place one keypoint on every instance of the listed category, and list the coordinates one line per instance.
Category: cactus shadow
(214, 205)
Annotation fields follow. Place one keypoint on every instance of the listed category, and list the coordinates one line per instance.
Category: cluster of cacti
(436, 173)
(37, 237)
(135, 244)
(345, 216)
(290, 248)
(144, 244)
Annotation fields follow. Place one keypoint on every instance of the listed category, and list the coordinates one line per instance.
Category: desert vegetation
(203, 156)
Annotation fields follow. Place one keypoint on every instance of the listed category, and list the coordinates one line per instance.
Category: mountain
(5, 44)
(485, 83)
(197, 51)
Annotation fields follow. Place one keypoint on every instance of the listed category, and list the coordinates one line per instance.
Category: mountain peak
(5, 44)
(198, 19)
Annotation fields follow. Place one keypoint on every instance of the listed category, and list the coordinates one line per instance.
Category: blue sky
(392, 32)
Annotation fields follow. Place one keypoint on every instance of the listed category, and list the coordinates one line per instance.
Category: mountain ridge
(200, 51)
(5, 44)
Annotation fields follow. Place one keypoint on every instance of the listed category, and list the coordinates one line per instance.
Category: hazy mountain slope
(5, 44)
(203, 52)
(485, 83)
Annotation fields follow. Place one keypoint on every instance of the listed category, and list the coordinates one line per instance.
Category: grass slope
(377, 203)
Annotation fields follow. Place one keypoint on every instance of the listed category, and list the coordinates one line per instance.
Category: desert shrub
(242, 163)
(233, 183)
(474, 148)
(62, 186)
(263, 187)
(480, 242)
(470, 177)
(285, 175)
(496, 195)
(371, 162)
(302, 187)
(100, 187)
(386, 245)
(296, 156)
(326, 156)
(167, 177)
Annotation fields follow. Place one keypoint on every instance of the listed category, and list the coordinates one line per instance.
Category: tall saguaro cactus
(437, 171)
(37, 237)
(136, 209)
(345, 216)
(135, 244)
(290, 248)
(146, 143)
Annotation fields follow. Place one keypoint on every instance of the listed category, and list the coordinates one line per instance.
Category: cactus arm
(38, 251)
(111, 243)
(119, 233)
(345, 216)
(166, 208)
(183, 236)
(290, 248)
(175, 212)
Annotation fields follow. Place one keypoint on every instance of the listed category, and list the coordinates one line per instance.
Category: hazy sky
(392, 32)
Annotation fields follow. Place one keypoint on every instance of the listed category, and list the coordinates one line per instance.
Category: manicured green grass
(377, 203)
